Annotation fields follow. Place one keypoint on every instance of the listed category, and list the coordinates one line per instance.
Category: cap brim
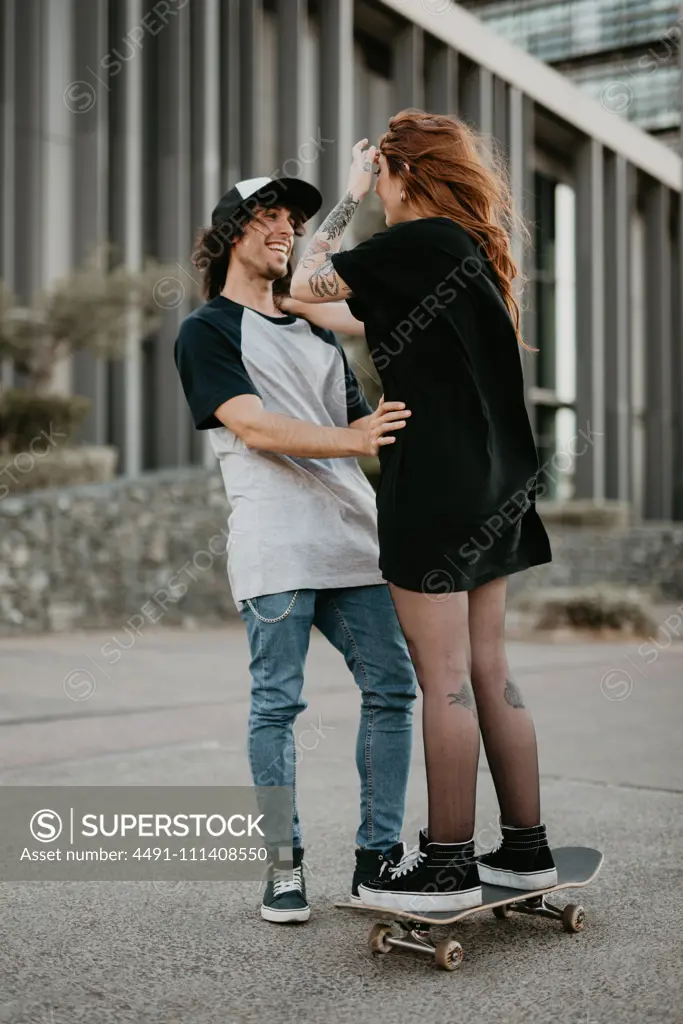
(295, 193)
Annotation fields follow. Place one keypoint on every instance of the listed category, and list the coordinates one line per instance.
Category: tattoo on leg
(464, 697)
(513, 695)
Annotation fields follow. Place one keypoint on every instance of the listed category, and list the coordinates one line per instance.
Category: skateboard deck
(576, 867)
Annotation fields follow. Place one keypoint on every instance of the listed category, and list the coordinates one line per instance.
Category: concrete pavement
(172, 708)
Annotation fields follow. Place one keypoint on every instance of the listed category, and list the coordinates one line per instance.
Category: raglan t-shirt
(295, 523)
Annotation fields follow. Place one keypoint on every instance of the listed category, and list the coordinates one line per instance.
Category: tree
(94, 308)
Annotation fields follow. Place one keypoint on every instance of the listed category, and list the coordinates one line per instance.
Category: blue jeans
(361, 623)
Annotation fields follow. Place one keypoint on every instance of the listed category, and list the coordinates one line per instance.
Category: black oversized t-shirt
(443, 342)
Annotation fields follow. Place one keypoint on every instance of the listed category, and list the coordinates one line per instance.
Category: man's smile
(282, 247)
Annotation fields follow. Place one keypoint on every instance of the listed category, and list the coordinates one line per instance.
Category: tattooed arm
(334, 316)
(315, 279)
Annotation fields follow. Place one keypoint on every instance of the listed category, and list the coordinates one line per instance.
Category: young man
(286, 422)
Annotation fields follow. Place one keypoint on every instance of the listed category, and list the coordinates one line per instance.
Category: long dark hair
(452, 175)
(212, 247)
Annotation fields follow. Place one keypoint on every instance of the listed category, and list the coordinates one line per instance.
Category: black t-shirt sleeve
(370, 270)
(357, 405)
(402, 266)
(211, 370)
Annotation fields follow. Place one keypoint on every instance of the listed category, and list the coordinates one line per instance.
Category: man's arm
(272, 432)
(315, 279)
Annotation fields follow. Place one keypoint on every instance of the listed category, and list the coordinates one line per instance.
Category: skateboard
(410, 930)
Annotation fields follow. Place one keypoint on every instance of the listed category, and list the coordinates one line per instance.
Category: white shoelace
(286, 881)
(410, 860)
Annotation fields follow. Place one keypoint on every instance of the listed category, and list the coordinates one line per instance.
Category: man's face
(266, 245)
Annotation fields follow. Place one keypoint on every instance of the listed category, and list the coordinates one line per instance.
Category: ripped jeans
(361, 623)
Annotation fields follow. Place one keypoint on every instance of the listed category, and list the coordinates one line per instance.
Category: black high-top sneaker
(430, 877)
(285, 900)
(369, 865)
(522, 861)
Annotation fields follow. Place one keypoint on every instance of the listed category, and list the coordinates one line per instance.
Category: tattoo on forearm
(464, 697)
(336, 221)
(324, 280)
(513, 695)
(318, 245)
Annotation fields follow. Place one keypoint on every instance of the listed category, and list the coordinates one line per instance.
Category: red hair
(451, 174)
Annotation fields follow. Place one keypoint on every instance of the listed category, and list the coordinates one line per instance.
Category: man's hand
(388, 416)
(361, 173)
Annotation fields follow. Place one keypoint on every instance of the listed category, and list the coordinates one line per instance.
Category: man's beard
(272, 273)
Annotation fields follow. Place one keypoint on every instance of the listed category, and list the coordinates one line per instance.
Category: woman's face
(388, 187)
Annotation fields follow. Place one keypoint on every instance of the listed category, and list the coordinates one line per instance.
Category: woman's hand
(286, 304)
(387, 416)
(361, 173)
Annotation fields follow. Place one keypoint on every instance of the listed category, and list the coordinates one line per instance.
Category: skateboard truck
(448, 953)
(572, 916)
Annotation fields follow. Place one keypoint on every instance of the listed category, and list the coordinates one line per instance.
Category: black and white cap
(251, 192)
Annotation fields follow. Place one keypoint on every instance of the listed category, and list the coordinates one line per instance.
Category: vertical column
(336, 96)
(205, 121)
(174, 232)
(500, 114)
(521, 176)
(90, 188)
(590, 320)
(126, 229)
(292, 29)
(677, 361)
(678, 323)
(409, 67)
(54, 255)
(658, 300)
(7, 130)
(441, 85)
(206, 155)
(28, 156)
(7, 156)
(251, 38)
(230, 75)
(617, 329)
(476, 93)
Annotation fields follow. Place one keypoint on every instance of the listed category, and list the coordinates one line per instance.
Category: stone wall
(130, 554)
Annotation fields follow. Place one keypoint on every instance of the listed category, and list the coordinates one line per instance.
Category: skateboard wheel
(377, 939)
(502, 913)
(448, 954)
(573, 918)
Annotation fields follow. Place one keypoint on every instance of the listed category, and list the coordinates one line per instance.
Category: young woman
(456, 500)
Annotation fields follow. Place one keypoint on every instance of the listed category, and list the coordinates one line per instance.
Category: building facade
(623, 53)
(124, 120)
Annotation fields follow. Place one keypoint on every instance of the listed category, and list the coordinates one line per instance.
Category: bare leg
(437, 634)
(506, 726)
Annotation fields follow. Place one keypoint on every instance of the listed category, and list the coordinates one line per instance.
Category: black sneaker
(285, 900)
(369, 866)
(431, 877)
(522, 861)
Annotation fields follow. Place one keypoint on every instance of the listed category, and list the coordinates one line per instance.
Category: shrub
(595, 608)
(26, 416)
